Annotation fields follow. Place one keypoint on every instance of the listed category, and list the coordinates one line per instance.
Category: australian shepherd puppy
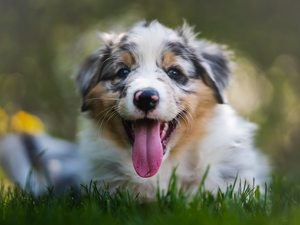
(153, 99)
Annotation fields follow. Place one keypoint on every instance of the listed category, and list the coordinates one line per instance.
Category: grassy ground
(247, 206)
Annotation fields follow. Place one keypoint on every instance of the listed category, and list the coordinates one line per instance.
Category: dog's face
(147, 85)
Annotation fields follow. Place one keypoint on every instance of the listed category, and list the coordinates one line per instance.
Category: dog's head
(146, 81)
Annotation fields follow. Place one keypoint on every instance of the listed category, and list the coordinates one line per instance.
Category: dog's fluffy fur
(188, 77)
(209, 132)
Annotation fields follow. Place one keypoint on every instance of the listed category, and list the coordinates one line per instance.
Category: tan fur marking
(127, 58)
(102, 105)
(169, 59)
(200, 108)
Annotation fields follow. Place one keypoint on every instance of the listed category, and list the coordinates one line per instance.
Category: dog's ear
(213, 58)
(88, 72)
(86, 75)
(216, 62)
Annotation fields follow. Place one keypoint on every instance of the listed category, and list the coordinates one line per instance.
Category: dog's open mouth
(149, 139)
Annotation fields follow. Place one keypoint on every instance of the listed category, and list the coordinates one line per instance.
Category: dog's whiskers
(186, 122)
(112, 108)
(102, 112)
(185, 115)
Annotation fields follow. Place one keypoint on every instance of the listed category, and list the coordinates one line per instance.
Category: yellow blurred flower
(23, 122)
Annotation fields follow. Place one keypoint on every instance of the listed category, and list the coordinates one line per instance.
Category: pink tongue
(147, 153)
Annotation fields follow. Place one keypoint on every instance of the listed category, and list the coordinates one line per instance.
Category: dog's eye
(123, 72)
(173, 73)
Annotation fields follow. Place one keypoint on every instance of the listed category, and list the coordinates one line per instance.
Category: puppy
(154, 101)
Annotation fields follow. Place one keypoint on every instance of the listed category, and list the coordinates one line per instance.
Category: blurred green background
(42, 41)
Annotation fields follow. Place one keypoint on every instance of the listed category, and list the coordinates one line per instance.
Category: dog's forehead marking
(168, 59)
(149, 43)
(152, 47)
(127, 58)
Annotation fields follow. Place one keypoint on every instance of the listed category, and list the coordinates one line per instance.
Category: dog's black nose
(146, 99)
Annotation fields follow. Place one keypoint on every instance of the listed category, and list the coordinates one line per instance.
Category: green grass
(97, 206)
